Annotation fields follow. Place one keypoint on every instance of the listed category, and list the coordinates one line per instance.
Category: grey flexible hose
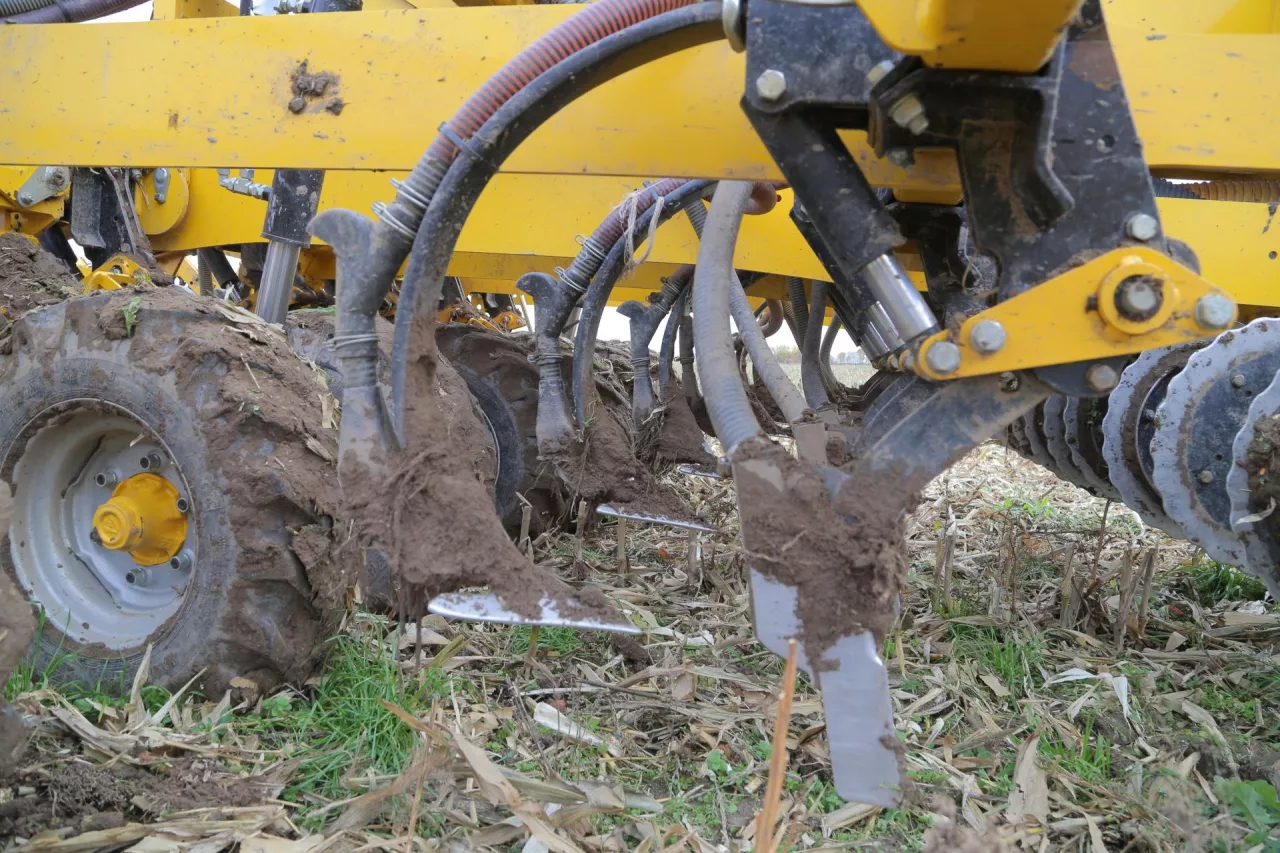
(726, 399)
(783, 390)
(824, 358)
(17, 7)
(815, 392)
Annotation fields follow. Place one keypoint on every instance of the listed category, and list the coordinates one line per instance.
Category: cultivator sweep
(961, 187)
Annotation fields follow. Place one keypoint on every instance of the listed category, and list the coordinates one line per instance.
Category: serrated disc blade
(1252, 449)
(1131, 415)
(1082, 425)
(1032, 424)
(1205, 407)
(1056, 442)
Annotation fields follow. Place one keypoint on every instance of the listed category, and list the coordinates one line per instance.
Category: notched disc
(1191, 452)
(1083, 424)
(1253, 487)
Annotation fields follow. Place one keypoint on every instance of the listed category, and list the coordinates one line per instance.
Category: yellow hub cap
(142, 517)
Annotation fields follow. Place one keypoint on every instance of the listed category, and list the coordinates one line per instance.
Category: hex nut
(771, 85)
(908, 112)
(987, 336)
(943, 357)
(1101, 378)
(1142, 226)
(1214, 311)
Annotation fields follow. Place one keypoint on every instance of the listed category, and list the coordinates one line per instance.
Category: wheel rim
(95, 595)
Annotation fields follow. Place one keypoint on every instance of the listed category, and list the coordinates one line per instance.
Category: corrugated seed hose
(713, 280)
(61, 11)
(783, 390)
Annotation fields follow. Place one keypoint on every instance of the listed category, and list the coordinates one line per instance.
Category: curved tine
(815, 392)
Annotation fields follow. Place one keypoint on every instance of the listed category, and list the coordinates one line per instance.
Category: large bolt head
(1142, 226)
(943, 357)
(1214, 311)
(1101, 378)
(771, 85)
(1139, 297)
(987, 336)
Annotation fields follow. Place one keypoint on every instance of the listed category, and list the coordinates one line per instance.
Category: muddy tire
(501, 364)
(97, 384)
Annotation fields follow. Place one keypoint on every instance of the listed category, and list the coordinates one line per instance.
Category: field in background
(1124, 726)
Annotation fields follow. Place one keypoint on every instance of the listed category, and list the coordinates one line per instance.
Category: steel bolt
(879, 71)
(771, 85)
(1009, 381)
(25, 199)
(181, 561)
(56, 178)
(1237, 380)
(1214, 311)
(151, 462)
(183, 506)
(106, 478)
(943, 357)
(1101, 378)
(892, 361)
(908, 112)
(1142, 226)
(987, 336)
(136, 576)
(1139, 297)
(1205, 476)
(908, 362)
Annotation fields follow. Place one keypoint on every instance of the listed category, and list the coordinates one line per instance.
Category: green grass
(344, 730)
(1015, 656)
(560, 642)
(1210, 583)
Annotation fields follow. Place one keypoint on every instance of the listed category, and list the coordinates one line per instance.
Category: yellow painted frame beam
(128, 94)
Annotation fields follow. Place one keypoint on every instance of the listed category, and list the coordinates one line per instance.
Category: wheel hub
(142, 517)
(99, 535)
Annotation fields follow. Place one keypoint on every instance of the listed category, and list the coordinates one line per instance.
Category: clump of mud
(423, 508)
(1261, 463)
(30, 277)
(17, 626)
(846, 573)
(680, 439)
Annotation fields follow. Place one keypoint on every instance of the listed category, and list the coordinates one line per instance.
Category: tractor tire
(97, 391)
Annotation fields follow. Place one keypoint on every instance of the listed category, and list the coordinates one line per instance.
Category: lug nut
(183, 506)
(1142, 226)
(908, 112)
(1101, 378)
(1237, 380)
(1205, 476)
(987, 336)
(900, 157)
(1139, 297)
(1214, 311)
(106, 478)
(151, 462)
(136, 576)
(1009, 381)
(943, 357)
(181, 561)
(771, 85)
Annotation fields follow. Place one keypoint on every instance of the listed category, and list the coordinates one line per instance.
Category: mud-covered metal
(1203, 410)
(487, 607)
(1056, 442)
(1249, 516)
(1128, 426)
(1082, 429)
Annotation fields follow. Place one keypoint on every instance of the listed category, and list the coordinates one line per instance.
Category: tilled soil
(76, 797)
(31, 277)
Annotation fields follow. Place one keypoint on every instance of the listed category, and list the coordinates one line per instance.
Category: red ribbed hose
(592, 24)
